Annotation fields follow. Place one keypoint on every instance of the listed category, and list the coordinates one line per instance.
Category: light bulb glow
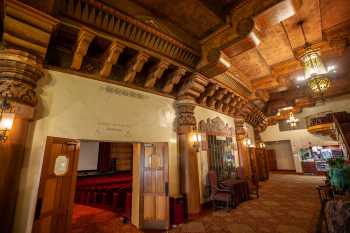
(6, 121)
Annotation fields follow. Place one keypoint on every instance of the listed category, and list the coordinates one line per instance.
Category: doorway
(284, 154)
(103, 194)
(122, 181)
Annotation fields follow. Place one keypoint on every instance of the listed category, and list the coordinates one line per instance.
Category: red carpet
(88, 219)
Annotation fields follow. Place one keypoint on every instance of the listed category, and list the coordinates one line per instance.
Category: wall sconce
(262, 145)
(7, 117)
(247, 142)
(196, 139)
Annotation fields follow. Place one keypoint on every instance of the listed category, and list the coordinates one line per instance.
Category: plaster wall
(79, 108)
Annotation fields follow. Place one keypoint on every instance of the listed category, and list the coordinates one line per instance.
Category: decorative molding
(134, 66)
(110, 58)
(111, 20)
(155, 73)
(216, 126)
(173, 79)
(19, 73)
(185, 119)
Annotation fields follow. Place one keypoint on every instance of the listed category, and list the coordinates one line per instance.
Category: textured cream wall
(74, 107)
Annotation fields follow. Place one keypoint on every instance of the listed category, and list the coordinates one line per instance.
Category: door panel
(57, 185)
(154, 187)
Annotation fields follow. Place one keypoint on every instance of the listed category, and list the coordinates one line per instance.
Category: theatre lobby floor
(287, 204)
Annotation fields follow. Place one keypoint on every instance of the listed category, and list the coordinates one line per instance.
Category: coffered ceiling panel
(275, 46)
(251, 64)
(310, 14)
(334, 12)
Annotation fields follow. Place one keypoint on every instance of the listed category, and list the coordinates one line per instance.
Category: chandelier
(314, 70)
(292, 120)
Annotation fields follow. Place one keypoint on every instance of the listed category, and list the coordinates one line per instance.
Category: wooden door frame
(141, 169)
(45, 163)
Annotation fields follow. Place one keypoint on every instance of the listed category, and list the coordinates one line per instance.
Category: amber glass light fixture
(314, 70)
(7, 117)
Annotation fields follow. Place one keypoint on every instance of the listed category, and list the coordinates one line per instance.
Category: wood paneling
(154, 195)
(56, 192)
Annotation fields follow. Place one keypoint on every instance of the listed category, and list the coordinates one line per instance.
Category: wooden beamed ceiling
(237, 57)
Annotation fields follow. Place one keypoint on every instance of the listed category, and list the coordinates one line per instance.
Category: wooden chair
(325, 194)
(217, 193)
(254, 186)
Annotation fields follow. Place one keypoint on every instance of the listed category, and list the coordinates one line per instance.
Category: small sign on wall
(61, 165)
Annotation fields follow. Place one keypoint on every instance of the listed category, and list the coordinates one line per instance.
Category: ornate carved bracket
(134, 66)
(216, 126)
(173, 78)
(209, 91)
(19, 73)
(193, 88)
(85, 37)
(156, 73)
(110, 58)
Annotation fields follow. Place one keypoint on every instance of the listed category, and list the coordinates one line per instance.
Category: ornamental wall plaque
(61, 165)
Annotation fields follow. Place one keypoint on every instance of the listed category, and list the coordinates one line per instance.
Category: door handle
(38, 208)
(166, 187)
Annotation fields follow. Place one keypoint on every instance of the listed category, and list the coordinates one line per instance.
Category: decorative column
(19, 73)
(189, 178)
(243, 150)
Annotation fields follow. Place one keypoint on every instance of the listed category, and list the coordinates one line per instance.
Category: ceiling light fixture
(292, 120)
(314, 70)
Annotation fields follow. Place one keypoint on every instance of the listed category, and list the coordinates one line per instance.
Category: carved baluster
(134, 66)
(173, 78)
(85, 37)
(227, 99)
(155, 73)
(110, 58)
(219, 96)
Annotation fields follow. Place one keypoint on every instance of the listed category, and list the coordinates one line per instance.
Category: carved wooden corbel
(134, 66)
(85, 37)
(156, 73)
(110, 58)
(193, 88)
(173, 78)
(210, 91)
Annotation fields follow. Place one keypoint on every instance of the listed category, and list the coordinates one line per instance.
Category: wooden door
(154, 211)
(53, 212)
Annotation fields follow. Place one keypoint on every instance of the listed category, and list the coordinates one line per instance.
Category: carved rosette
(185, 120)
(19, 73)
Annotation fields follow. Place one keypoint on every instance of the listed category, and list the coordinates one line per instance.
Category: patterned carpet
(288, 204)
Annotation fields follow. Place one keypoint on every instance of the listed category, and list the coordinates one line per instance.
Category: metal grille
(221, 158)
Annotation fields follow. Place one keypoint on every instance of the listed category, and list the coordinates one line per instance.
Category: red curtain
(104, 157)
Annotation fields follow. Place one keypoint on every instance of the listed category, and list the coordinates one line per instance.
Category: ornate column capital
(185, 119)
(19, 73)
